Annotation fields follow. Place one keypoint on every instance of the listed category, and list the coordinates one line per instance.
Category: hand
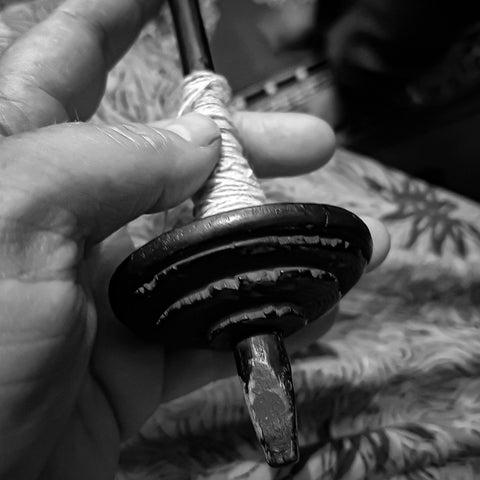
(73, 381)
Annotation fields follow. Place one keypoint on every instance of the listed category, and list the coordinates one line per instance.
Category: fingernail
(195, 128)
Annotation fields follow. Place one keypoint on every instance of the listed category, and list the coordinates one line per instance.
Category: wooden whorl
(220, 279)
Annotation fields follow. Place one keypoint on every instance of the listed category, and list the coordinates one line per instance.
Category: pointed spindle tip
(264, 368)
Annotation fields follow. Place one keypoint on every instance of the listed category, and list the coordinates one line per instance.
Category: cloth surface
(392, 391)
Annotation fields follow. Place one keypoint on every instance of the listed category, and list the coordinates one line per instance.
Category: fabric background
(393, 390)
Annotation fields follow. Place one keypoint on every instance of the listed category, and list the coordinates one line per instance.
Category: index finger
(57, 71)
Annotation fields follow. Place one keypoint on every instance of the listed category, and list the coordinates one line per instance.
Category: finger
(104, 177)
(57, 70)
(113, 24)
(284, 144)
(380, 241)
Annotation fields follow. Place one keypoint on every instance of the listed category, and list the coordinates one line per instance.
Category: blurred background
(399, 80)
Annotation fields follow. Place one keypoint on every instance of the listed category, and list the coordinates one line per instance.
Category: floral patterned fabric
(393, 390)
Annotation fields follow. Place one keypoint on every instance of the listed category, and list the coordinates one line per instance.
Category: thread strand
(233, 184)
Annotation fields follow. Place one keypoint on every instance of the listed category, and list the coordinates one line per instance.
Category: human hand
(73, 381)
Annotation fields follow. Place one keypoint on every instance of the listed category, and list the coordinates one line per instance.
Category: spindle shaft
(262, 362)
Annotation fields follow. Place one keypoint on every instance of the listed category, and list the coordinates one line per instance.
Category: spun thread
(232, 184)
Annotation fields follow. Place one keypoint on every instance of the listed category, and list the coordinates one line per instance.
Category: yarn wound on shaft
(233, 184)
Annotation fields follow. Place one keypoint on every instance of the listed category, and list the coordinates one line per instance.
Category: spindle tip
(264, 369)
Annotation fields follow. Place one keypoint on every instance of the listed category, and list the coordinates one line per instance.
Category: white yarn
(233, 184)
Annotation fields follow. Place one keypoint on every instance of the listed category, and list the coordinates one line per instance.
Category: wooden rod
(191, 36)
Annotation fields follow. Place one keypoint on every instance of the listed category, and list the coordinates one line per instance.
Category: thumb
(102, 177)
